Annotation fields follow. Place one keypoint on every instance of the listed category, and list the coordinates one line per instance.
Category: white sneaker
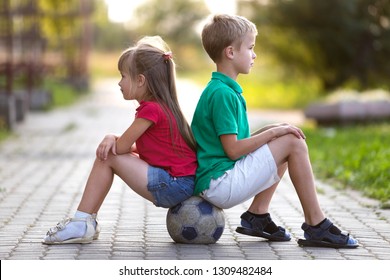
(91, 232)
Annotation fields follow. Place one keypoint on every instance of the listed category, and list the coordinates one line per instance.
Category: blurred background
(329, 60)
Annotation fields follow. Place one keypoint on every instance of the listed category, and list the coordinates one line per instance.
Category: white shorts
(250, 175)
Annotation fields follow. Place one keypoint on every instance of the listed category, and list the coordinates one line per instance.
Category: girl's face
(130, 89)
(245, 56)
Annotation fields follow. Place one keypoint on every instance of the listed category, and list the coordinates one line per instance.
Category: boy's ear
(229, 52)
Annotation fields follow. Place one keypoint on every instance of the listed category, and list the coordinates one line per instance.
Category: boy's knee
(295, 144)
(299, 144)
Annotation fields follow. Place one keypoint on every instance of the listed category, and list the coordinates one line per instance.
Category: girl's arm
(125, 143)
(235, 149)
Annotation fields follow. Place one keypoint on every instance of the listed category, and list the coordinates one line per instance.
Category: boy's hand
(108, 144)
(284, 129)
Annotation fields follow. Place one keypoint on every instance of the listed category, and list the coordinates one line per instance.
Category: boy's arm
(235, 148)
(266, 128)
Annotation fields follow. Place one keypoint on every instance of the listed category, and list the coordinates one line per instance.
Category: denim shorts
(167, 190)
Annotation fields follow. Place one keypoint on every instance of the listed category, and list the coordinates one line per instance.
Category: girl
(155, 156)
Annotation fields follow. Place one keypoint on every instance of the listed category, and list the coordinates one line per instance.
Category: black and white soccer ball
(195, 221)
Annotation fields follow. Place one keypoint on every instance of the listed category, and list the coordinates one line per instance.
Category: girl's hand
(108, 144)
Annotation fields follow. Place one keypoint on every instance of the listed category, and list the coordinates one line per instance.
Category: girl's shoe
(255, 226)
(91, 232)
(326, 235)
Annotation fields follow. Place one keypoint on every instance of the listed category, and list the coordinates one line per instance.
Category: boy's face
(244, 57)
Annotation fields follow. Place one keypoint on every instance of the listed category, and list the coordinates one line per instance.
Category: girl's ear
(141, 80)
(229, 52)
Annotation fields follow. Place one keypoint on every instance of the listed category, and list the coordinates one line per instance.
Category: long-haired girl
(155, 156)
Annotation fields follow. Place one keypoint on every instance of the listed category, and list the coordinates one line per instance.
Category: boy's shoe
(90, 234)
(255, 226)
(326, 235)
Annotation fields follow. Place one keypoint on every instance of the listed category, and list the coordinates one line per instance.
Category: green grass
(4, 133)
(62, 94)
(353, 157)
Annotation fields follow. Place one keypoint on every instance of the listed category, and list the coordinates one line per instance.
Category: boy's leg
(293, 151)
(257, 221)
(261, 201)
(319, 231)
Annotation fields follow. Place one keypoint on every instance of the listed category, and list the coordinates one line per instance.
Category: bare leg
(83, 228)
(294, 151)
(261, 201)
(130, 168)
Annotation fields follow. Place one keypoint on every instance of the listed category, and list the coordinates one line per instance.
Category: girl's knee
(110, 158)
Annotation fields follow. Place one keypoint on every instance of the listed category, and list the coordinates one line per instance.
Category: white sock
(75, 229)
(83, 215)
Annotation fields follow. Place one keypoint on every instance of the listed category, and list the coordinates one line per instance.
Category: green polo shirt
(221, 110)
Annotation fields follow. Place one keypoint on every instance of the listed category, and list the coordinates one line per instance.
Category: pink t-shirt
(155, 145)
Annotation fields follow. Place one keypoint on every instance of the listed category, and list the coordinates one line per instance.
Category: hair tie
(167, 56)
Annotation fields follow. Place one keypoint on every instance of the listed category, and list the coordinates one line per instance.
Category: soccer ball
(195, 221)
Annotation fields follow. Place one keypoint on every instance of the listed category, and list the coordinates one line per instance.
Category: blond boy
(234, 166)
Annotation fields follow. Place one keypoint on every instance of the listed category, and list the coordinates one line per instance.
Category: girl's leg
(130, 168)
(293, 151)
(83, 227)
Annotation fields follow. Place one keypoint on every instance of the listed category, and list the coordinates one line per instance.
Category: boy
(234, 166)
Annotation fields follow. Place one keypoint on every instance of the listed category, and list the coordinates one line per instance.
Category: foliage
(176, 21)
(173, 19)
(337, 41)
(66, 31)
(354, 156)
(268, 87)
(108, 36)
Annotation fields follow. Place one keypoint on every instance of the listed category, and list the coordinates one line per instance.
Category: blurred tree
(337, 41)
(67, 31)
(109, 36)
(173, 19)
(176, 21)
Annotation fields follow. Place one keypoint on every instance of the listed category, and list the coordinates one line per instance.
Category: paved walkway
(43, 169)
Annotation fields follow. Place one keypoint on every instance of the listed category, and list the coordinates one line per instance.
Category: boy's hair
(152, 58)
(224, 30)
